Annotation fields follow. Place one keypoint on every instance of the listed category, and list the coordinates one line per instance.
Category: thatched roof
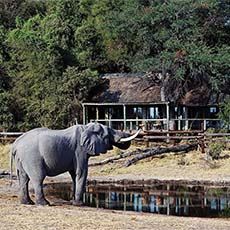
(129, 88)
(140, 88)
(199, 96)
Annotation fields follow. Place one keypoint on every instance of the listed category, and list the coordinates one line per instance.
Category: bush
(224, 113)
(225, 212)
(210, 130)
(215, 149)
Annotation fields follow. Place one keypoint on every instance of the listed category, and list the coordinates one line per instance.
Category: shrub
(210, 130)
(215, 149)
(224, 113)
(225, 212)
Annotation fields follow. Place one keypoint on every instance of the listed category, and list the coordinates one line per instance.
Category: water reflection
(202, 201)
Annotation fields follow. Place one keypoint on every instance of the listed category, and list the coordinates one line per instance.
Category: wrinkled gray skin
(43, 152)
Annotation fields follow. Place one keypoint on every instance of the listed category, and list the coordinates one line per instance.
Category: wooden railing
(179, 123)
(153, 135)
(169, 136)
(6, 137)
(173, 137)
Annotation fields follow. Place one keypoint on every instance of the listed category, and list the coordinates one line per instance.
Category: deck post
(167, 116)
(205, 125)
(97, 113)
(110, 117)
(107, 117)
(167, 122)
(179, 123)
(186, 118)
(137, 117)
(84, 115)
(124, 115)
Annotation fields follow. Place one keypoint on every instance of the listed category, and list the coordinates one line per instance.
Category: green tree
(39, 65)
(187, 40)
(43, 53)
(77, 86)
(10, 9)
(224, 114)
(51, 52)
(6, 116)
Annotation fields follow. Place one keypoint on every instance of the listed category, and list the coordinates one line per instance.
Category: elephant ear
(93, 139)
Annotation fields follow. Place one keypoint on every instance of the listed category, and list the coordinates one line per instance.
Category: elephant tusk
(130, 138)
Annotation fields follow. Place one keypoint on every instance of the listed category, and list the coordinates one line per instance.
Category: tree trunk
(112, 159)
(160, 150)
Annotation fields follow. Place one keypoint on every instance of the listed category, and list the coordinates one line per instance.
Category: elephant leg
(73, 176)
(38, 189)
(36, 172)
(23, 184)
(80, 182)
(39, 194)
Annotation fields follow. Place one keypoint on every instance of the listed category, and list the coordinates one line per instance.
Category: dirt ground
(64, 216)
(61, 215)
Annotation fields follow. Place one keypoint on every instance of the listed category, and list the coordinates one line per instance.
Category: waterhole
(168, 199)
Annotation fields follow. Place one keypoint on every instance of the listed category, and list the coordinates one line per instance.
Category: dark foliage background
(53, 52)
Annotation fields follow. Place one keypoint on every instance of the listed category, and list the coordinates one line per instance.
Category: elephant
(44, 152)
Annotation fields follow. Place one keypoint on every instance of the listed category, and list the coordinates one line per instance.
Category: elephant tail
(12, 156)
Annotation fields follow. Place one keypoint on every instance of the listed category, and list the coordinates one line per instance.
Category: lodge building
(131, 100)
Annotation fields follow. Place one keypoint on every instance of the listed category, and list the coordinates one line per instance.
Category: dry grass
(4, 157)
(190, 166)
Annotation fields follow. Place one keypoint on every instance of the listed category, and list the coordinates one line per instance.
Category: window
(213, 109)
(153, 113)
